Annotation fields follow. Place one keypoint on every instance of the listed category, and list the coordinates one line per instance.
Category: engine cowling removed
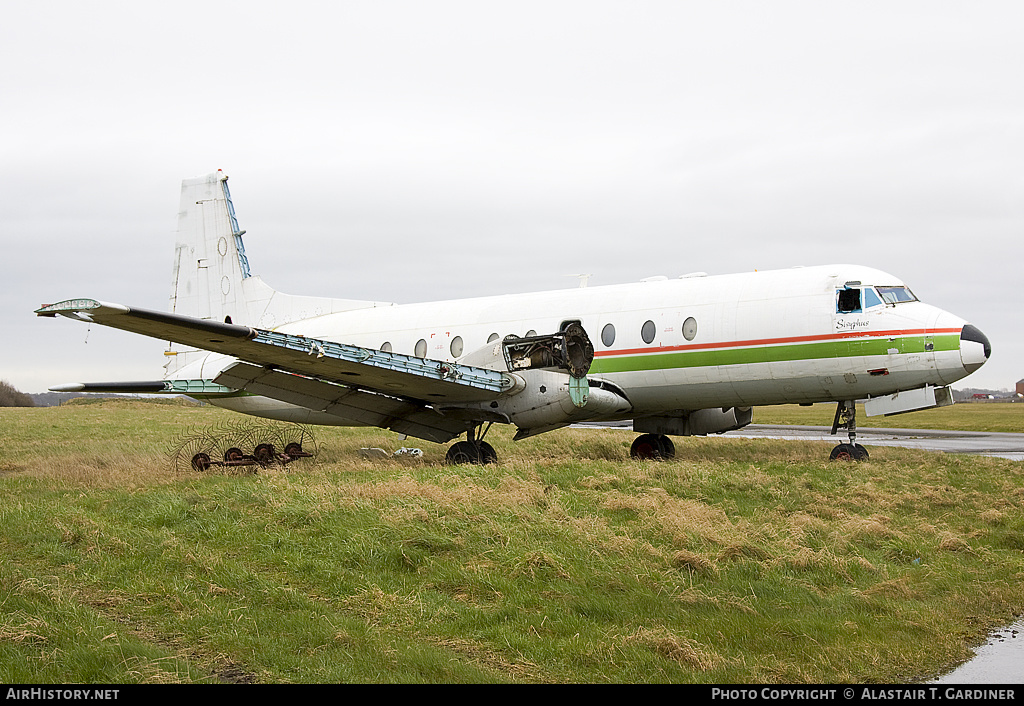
(551, 388)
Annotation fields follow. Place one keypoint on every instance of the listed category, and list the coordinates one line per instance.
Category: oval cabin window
(690, 328)
(608, 335)
(648, 331)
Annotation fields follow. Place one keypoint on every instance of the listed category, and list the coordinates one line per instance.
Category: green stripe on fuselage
(771, 354)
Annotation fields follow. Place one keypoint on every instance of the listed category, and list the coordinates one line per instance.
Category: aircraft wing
(371, 386)
(355, 406)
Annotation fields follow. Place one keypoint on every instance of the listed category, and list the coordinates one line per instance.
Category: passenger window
(689, 328)
(492, 338)
(456, 346)
(386, 346)
(608, 335)
(648, 331)
(421, 348)
(848, 301)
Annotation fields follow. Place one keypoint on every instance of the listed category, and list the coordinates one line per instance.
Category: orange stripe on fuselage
(785, 339)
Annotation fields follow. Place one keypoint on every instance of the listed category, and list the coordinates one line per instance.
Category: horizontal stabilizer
(154, 387)
(197, 388)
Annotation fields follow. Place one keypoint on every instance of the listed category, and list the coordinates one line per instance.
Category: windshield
(896, 295)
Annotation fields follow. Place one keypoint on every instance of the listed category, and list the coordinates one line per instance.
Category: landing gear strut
(473, 450)
(846, 418)
(652, 447)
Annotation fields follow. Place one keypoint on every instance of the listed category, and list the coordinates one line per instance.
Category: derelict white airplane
(678, 357)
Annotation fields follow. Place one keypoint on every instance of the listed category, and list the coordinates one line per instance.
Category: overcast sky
(413, 151)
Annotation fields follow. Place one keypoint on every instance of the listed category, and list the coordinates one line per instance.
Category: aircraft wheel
(652, 447)
(461, 452)
(849, 452)
(487, 453)
(842, 452)
(668, 449)
(467, 452)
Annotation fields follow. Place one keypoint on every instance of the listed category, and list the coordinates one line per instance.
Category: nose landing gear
(846, 418)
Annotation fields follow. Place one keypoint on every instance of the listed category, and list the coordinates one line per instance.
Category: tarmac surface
(984, 443)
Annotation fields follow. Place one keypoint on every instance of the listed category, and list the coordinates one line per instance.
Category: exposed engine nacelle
(570, 349)
(699, 422)
(550, 401)
(543, 400)
(551, 389)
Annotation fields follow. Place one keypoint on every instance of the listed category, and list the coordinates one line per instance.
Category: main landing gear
(652, 447)
(473, 450)
(846, 418)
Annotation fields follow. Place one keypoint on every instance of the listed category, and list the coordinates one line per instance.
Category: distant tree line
(968, 393)
(10, 397)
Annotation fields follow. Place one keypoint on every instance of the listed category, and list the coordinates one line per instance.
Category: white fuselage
(691, 343)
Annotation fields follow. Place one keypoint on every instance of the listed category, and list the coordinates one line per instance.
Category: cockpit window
(896, 295)
(848, 300)
(871, 299)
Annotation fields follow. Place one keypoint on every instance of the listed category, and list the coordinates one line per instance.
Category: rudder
(210, 262)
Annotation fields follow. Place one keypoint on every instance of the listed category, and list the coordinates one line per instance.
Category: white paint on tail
(211, 277)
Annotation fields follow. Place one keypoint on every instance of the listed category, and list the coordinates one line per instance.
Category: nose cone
(974, 348)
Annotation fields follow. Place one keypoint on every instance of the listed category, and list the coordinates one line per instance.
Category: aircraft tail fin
(211, 276)
(209, 259)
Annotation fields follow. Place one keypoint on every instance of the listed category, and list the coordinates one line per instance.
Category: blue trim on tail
(243, 261)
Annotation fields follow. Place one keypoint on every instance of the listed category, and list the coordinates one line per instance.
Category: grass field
(740, 561)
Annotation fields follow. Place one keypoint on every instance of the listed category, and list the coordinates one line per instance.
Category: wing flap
(357, 407)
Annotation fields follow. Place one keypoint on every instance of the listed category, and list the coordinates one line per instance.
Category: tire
(668, 449)
(477, 454)
(843, 452)
(649, 447)
(487, 453)
(461, 452)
